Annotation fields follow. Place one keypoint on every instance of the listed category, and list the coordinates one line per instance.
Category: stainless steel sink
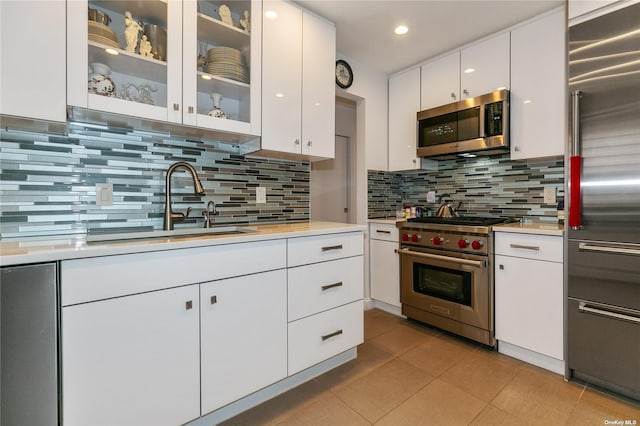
(183, 232)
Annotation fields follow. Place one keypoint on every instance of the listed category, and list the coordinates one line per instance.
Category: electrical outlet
(104, 194)
(261, 195)
(550, 195)
(431, 197)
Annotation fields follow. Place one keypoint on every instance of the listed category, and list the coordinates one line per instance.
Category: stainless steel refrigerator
(603, 247)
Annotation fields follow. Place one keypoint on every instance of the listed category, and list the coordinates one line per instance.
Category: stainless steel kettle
(446, 209)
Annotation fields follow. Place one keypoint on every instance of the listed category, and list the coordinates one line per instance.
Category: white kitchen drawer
(530, 246)
(314, 339)
(322, 286)
(383, 231)
(305, 250)
(86, 280)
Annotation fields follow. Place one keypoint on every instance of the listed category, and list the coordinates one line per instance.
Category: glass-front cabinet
(187, 62)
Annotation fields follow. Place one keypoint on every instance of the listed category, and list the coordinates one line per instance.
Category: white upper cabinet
(404, 104)
(538, 86)
(440, 81)
(32, 49)
(484, 67)
(194, 55)
(298, 89)
(472, 71)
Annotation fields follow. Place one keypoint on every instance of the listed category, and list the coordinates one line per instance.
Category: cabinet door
(404, 104)
(243, 336)
(147, 87)
(385, 271)
(529, 304)
(33, 68)
(132, 360)
(318, 87)
(221, 65)
(281, 77)
(440, 81)
(484, 67)
(538, 88)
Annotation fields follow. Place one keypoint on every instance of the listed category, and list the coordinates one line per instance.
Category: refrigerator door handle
(575, 214)
(609, 249)
(583, 308)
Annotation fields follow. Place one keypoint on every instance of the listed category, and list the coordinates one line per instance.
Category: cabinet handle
(297, 141)
(309, 143)
(465, 92)
(330, 335)
(190, 110)
(189, 304)
(176, 107)
(519, 246)
(214, 300)
(516, 148)
(329, 248)
(328, 286)
(383, 232)
(453, 95)
(501, 267)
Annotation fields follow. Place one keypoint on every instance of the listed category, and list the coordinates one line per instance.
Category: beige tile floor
(409, 374)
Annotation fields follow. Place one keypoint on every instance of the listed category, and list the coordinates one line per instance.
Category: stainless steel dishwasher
(28, 345)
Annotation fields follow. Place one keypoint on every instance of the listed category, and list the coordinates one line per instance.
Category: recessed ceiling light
(279, 95)
(401, 29)
(271, 14)
(206, 77)
(111, 51)
(469, 70)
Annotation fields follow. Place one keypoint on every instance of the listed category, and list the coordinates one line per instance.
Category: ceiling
(365, 27)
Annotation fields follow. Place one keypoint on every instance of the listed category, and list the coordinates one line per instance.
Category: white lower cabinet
(241, 318)
(321, 336)
(384, 264)
(132, 360)
(529, 298)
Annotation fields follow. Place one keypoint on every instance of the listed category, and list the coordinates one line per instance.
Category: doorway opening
(332, 189)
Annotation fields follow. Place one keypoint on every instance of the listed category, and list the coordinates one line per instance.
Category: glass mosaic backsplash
(47, 182)
(486, 186)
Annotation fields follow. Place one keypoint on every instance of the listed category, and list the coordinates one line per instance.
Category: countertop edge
(531, 228)
(40, 249)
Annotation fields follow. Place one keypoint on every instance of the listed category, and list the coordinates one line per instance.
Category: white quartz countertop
(391, 220)
(539, 228)
(49, 249)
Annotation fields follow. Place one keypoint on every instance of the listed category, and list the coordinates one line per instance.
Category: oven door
(452, 287)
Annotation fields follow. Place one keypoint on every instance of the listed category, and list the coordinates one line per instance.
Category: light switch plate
(104, 194)
(550, 195)
(431, 197)
(261, 195)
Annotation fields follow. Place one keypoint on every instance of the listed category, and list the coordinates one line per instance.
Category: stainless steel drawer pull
(189, 304)
(582, 307)
(329, 248)
(328, 286)
(519, 246)
(330, 335)
(609, 249)
(214, 300)
(383, 232)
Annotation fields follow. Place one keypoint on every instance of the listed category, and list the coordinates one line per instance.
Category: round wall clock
(344, 74)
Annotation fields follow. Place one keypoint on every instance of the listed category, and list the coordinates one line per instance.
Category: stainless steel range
(446, 274)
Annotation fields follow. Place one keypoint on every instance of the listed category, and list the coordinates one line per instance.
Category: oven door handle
(476, 263)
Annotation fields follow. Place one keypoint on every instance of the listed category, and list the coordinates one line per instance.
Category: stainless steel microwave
(479, 125)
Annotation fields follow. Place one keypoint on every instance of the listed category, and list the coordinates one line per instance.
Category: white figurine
(245, 23)
(131, 32)
(145, 47)
(225, 14)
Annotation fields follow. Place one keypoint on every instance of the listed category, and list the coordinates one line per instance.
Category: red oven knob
(476, 245)
(415, 238)
(463, 243)
(405, 237)
(437, 241)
